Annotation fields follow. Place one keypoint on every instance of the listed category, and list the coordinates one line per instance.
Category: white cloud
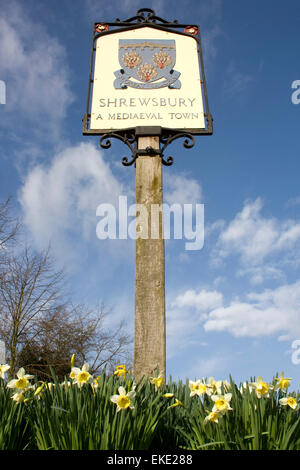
(258, 274)
(255, 239)
(181, 189)
(209, 366)
(59, 201)
(289, 235)
(208, 40)
(33, 65)
(257, 314)
(236, 82)
(243, 319)
(274, 311)
(182, 330)
(185, 317)
(248, 234)
(216, 226)
(202, 301)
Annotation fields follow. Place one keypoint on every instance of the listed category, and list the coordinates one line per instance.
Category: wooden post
(150, 322)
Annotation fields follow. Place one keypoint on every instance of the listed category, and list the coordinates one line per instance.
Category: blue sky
(234, 306)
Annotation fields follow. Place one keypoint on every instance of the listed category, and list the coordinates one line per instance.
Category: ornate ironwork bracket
(130, 139)
(146, 15)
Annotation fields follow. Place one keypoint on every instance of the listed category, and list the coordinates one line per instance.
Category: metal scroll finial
(141, 12)
(146, 15)
(129, 138)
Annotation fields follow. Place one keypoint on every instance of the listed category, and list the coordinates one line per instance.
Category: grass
(64, 416)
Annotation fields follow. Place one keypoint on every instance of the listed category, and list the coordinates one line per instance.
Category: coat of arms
(147, 64)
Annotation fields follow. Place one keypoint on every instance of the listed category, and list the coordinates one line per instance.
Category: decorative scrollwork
(167, 139)
(146, 15)
(127, 162)
(129, 138)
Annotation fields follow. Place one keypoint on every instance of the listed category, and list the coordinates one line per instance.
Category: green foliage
(63, 416)
(253, 424)
(71, 418)
(14, 430)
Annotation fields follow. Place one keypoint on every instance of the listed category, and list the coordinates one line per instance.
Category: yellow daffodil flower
(72, 375)
(3, 369)
(246, 386)
(222, 403)
(214, 385)
(226, 385)
(157, 381)
(199, 388)
(50, 385)
(66, 384)
(177, 403)
(283, 382)
(121, 371)
(168, 395)
(19, 397)
(82, 376)
(22, 382)
(39, 389)
(289, 401)
(123, 400)
(95, 384)
(261, 388)
(213, 416)
(72, 361)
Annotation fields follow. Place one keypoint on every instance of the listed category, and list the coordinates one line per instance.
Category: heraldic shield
(147, 64)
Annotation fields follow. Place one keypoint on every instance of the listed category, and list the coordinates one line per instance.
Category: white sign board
(146, 77)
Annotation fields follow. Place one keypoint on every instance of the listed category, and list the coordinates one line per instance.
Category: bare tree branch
(39, 326)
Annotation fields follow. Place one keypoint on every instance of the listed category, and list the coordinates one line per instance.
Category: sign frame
(142, 20)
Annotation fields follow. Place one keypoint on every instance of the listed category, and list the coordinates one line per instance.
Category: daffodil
(19, 397)
(199, 388)
(39, 389)
(66, 384)
(95, 384)
(96, 381)
(215, 386)
(222, 403)
(261, 388)
(157, 381)
(246, 386)
(50, 385)
(213, 416)
(283, 382)
(121, 371)
(226, 385)
(3, 369)
(289, 401)
(168, 395)
(82, 376)
(123, 400)
(72, 361)
(177, 403)
(22, 382)
(73, 373)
